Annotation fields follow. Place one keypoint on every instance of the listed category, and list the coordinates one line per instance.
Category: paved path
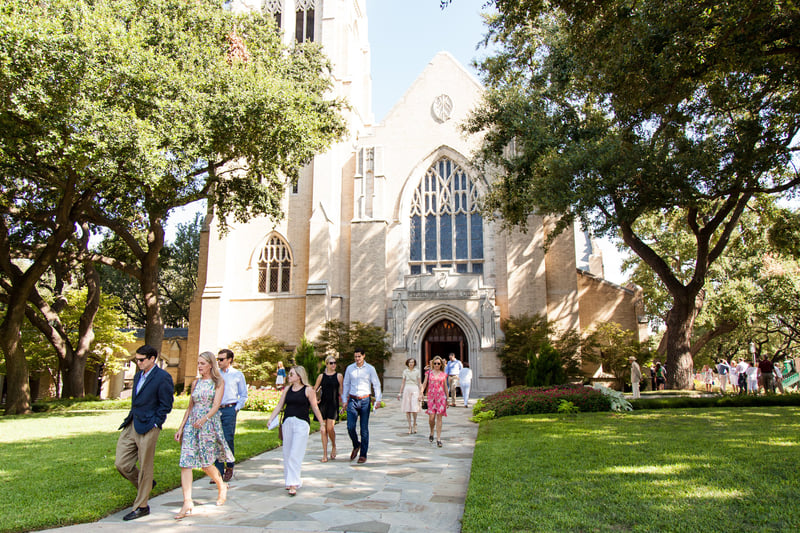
(407, 485)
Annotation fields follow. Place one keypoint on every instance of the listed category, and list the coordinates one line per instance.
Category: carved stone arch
(271, 265)
(427, 319)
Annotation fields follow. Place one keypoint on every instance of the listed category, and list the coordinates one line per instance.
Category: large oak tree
(614, 110)
(116, 112)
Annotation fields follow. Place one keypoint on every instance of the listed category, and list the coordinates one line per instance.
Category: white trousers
(295, 439)
(723, 382)
(635, 389)
(465, 386)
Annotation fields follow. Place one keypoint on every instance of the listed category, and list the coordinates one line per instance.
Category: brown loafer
(228, 474)
(354, 453)
(362, 460)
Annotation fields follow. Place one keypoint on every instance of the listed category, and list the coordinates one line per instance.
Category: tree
(339, 338)
(114, 113)
(612, 347)
(258, 358)
(611, 111)
(529, 347)
(305, 356)
(177, 278)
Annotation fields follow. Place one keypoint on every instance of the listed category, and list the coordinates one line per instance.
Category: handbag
(424, 403)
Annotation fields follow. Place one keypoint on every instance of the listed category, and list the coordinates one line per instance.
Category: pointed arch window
(274, 8)
(304, 20)
(446, 224)
(275, 267)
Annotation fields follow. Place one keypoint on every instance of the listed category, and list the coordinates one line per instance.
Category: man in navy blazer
(151, 402)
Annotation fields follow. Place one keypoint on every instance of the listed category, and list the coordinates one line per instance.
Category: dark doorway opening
(443, 338)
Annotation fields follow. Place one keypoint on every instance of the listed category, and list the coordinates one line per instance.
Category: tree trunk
(680, 324)
(154, 323)
(73, 375)
(18, 397)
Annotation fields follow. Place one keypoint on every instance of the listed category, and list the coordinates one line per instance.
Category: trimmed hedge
(531, 400)
(730, 400)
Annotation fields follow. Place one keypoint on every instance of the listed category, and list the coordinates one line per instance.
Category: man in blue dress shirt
(358, 378)
(232, 402)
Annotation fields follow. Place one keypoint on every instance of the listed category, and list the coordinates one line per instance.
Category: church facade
(386, 229)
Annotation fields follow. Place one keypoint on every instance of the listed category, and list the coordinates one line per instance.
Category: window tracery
(275, 266)
(446, 224)
(304, 20)
(275, 8)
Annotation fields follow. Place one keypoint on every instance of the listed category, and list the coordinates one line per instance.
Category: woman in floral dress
(436, 385)
(200, 433)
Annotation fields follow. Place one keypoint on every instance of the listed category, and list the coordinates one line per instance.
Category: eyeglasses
(140, 359)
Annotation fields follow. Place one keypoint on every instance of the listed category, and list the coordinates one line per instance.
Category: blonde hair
(440, 361)
(302, 374)
(330, 358)
(211, 359)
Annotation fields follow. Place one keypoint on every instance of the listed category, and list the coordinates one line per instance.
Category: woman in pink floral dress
(436, 385)
(200, 433)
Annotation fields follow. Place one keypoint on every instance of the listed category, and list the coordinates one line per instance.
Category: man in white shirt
(358, 378)
(233, 401)
(453, 370)
(465, 382)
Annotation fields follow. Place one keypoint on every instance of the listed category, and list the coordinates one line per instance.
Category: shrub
(568, 408)
(744, 400)
(617, 399)
(340, 338)
(480, 417)
(546, 369)
(531, 400)
(306, 356)
(258, 358)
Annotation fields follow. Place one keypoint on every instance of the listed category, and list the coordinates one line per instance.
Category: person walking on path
(741, 370)
(200, 433)
(232, 402)
(150, 404)
(329, 383)
(708, 377)
(636, 376)
(299, 398)
(358, 378)
(409, 391)
(453, 370)
(465, 382)
(436, 384)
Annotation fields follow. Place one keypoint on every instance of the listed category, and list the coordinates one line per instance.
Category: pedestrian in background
(329, 384)
(232, 402)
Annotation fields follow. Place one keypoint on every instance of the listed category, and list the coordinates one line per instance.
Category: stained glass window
(275, 266)
(446, 226)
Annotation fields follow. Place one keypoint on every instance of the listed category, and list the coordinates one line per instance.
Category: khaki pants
(453, 381)
(133, 447)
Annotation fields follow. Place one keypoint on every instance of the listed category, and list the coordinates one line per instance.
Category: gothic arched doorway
(443, 338)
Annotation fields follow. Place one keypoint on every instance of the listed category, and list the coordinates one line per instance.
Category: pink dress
(437, 393)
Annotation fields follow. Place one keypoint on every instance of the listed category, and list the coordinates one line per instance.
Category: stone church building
(386, 228)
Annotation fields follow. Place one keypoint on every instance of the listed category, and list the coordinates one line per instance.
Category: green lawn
(693, 470)
(58, 469)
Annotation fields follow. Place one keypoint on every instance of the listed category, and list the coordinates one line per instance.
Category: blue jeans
(228, 418)
(356, 408)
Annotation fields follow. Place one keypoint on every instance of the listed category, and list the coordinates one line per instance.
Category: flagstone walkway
(407, 485)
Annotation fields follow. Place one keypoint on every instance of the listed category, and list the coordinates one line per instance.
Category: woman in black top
(298, 397)
(330, 383)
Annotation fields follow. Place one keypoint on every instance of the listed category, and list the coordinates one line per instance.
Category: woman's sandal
(184, 513)
(439, 443)
(333, 453)
(430, 438)
(292, 491)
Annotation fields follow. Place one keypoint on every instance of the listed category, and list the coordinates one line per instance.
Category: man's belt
(358, 397)
(228, 405)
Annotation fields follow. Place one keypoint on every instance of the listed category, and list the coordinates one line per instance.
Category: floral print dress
(201, 447)
(437, 394)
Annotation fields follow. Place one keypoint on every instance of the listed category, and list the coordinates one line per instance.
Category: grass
(719, 469)
(58, 468)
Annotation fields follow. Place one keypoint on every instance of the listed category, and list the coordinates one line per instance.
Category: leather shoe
(362, 460)
(354, 453)
(137, 513)
(228, 474)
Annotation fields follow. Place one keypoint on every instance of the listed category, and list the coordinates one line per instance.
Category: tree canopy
(610, 111)
(113, 113)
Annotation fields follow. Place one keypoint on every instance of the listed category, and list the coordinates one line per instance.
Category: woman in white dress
(409, 392)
